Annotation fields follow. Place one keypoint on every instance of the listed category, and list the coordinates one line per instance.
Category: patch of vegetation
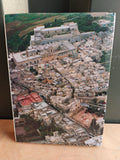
(105, 59)
(34, 71)
(27, 18)
(86, 23)
(95, 100)
(15, 112)
(44, 129)
(55, 23)
(49, 129)
(17, 43)
(94, 127)
(97, 110)
(109, 17)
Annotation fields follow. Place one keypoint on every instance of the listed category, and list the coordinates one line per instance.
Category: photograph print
(59, 67)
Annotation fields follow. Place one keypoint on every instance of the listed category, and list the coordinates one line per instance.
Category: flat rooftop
(64, 26)
(68, 45)
(18, 57)
(28, 99)
(55, 28)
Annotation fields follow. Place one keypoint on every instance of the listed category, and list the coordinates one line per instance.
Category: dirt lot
(85, 118)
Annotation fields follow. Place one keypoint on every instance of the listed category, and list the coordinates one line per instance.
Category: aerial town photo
(59, 66)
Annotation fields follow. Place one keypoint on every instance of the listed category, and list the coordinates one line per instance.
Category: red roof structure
(31, 98)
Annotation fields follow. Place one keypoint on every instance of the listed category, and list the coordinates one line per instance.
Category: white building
(57, 45)
(68, 31)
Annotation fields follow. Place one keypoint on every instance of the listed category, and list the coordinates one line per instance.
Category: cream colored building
(59, 44)
(33, 57)
(42, 35)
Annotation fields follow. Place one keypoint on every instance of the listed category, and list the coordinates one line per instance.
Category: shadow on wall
(5, 102)
(59, 6)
